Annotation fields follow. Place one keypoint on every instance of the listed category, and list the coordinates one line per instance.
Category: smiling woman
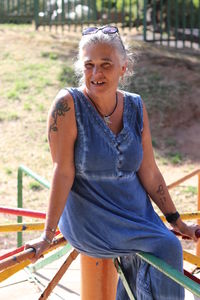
(105, 173)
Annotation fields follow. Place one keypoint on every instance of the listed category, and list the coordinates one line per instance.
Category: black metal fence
(162, 21)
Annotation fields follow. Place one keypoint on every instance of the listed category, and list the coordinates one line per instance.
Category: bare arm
(62, 132)
(154, 183)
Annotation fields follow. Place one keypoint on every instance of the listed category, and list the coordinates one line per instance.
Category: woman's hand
(184, 229)
(39, 245)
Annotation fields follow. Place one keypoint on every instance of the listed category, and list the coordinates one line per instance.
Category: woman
(104, 167)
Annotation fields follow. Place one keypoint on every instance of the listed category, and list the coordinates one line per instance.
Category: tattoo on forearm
(161, 193)
(60, 108)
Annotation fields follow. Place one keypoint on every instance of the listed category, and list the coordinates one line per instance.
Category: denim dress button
(120, 174)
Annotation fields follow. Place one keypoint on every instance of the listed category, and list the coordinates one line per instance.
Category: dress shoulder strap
(135, 108)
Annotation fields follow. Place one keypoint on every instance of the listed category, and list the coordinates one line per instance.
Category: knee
(171, 250)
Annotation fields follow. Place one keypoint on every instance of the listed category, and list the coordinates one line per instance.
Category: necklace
(106, 117)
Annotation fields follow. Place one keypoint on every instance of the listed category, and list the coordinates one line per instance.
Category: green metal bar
(137, 14)
(68, 11)
(130, 14)
(109, 11)
(116, 13)
(191, 22)
(145, 21)
(89, 15)
(183, 22)
(25, 7)
(161, 21)
(123, 279)
(23, 169)
(36, 11)
(172, 273)
(19, 204)
(168, 21)
(176, 22)
(18, 7)
(44, 8)
(102, 10)
(154, 19)
(8, 6)
(46, 261)
(75, 2)
(123, 13)
(56, 18)
(63, 15)
(199, 23)
(35, 176)
(82, 16)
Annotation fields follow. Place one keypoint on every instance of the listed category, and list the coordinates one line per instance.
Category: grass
(35, 186)
(34, 66)
(175, 158)
(191, 190)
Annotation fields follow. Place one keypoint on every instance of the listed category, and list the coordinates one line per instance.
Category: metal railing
(24, 170)
(175, 275)
(163, 267)
(172, 22)
(159, 264)
(168, 22)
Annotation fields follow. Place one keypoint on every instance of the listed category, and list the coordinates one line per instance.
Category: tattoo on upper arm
(60, 108)
(161, 193)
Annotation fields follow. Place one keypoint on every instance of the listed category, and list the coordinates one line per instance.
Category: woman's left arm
(154, 183)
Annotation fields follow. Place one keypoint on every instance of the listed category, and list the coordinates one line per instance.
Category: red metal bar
(12, 253)
(189, 275)
(185, 237)
(23, 212)
(18, 250)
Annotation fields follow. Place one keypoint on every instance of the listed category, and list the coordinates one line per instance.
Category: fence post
(198, 208)
(36, 12)
(145, 20)
(19, 203)
(98, 278)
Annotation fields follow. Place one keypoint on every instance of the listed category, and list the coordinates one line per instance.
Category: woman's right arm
(62, 133)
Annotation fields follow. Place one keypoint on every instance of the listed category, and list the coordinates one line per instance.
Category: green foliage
(8, 171)
(175, 158)
(170, 142)
(50, 55)
(27, 106)
(35, 186)
(8, 116)
(192, 190)
(67, 76)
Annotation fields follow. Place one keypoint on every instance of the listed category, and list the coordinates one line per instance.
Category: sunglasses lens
(89, 30)
(110, 29)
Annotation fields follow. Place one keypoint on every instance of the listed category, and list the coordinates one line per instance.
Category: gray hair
(115, 41)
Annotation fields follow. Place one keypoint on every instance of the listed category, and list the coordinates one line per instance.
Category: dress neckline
(100, 120)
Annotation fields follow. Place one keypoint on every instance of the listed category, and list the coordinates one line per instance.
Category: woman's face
(102, 68)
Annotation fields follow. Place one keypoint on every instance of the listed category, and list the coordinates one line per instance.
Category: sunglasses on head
(108, 29)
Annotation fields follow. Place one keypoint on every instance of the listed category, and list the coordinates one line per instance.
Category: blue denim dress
(108, 213)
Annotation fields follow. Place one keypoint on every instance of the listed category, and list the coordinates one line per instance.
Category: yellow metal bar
(191, 258)
(15, 268)
(21, 227)
(186, 216)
